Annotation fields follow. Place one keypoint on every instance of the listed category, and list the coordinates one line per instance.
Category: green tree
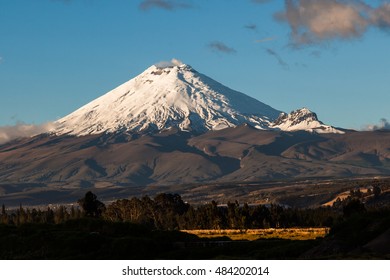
(4, 215)
(91, 206)
(168, 208)
(60, 215)
(377, 191)
(49, 216)
(352, 207)
(3, 212)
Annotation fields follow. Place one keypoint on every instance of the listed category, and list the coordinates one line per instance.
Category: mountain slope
(49, 168)
(174, 157)
(162, 98)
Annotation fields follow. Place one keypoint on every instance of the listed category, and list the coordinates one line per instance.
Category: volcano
(173, 129)
(178, 96)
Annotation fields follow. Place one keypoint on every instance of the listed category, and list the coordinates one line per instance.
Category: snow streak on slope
(166, 97)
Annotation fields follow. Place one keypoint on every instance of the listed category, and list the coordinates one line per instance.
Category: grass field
(254, 234)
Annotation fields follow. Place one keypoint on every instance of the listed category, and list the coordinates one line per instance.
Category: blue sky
(331, 56)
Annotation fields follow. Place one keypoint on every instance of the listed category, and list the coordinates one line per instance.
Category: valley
(301, 193)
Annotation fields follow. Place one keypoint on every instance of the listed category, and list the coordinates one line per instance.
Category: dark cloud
(169, 5)
(383, 124)
(280, 61)
(221, 47)
(8, 133)
(251, 26)
(315, 53)
(317, 21)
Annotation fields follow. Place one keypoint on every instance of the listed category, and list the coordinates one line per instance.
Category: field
(254, 234)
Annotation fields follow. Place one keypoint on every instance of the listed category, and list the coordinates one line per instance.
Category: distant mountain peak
(302, 119)
(296, 117)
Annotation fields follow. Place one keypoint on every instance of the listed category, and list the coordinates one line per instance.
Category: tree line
(38, 216)
(170, 212)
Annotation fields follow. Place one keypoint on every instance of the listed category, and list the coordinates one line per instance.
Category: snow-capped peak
(168, 95)
(302, 119)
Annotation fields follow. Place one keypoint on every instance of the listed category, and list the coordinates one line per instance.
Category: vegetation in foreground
(255, 234)
(170, 212)
(149, 229)
(100, 239)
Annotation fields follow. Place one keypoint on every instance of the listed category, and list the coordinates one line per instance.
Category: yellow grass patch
(254, 234)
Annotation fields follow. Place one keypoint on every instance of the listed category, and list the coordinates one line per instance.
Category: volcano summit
(177, 96)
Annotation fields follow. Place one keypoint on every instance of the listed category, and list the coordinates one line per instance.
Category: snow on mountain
(302, 119)
(168, 96)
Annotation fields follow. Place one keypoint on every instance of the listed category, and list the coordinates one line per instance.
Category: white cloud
(383, 124)
(20, 130)
(167, 64)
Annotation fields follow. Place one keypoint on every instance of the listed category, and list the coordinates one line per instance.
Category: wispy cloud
(278, 58)
(317, 21)
(172, 63)
(260, 1)
(268, 39)
(383, 124)
(63, 1)
(221, 47)
(169, 5)
(8, 133)
(251, 27)
(315, 53)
